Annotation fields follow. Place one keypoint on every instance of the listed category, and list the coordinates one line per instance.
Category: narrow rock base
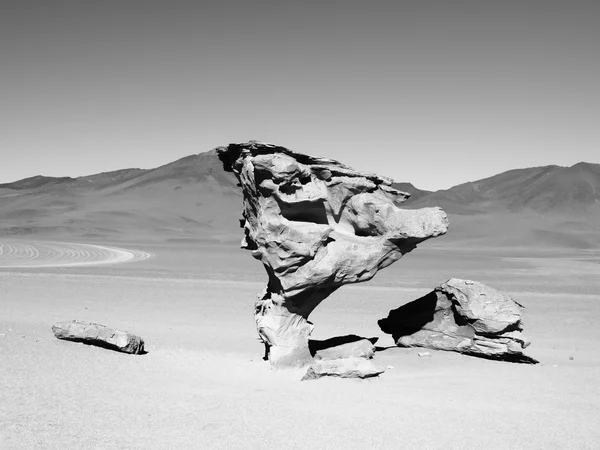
(289, 357)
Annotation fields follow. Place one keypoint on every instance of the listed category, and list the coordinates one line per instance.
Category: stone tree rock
(462, 316)
(316, 225)
(99, 335)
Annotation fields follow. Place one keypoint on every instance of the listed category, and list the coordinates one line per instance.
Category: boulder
(99, 335)
(343, 368)
(462, 316)
(316, 224)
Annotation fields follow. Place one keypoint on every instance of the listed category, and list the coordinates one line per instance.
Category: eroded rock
(98, 335)
(463, 316)
(316, 225)
(343, 368)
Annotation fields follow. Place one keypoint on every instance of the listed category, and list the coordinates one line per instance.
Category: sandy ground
(27, 253)
(203, 383)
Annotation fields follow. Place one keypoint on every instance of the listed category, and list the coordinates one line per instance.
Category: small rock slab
(343, 368)
(98, 335)
(358, 349)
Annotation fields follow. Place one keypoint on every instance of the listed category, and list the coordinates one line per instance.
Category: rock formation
(316, 225)
(462, 316)
(99, 335)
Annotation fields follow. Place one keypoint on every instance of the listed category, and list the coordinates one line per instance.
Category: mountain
(543, 206)
(194, 199)
(545, 189)
(191, 198)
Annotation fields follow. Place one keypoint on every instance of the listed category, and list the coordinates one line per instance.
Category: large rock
(463, 316)
(343, 368)
(316, 225)
(99, 335)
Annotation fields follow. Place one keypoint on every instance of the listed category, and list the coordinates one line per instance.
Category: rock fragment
(343, 368)
(98, 335)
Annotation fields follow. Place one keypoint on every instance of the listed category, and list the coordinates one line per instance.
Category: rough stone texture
(463, 316)
(316, 225)
(359, 349)
(343, 368)
(99, 335)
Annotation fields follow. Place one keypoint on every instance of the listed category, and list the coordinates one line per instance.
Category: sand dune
(23, 253)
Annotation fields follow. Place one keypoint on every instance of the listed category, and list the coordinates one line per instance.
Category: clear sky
(432, 92)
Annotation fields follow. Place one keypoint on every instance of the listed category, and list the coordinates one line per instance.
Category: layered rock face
(316, 225)
(463, 316)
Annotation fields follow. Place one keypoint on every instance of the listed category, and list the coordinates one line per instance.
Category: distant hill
(545, 189)
(539, 206)
(36, 182)
(193, 199)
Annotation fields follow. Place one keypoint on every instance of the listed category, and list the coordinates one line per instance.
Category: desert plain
(157, 253)
(103, 218)
(203, 382)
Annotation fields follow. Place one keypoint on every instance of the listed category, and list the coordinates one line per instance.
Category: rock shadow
(409, 318)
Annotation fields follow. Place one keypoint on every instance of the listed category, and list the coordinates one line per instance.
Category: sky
(435, 93)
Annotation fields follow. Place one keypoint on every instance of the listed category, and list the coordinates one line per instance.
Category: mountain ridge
(541, 189)
(194, 198)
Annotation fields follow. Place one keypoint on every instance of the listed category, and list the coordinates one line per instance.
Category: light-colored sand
(24, 253)
(203, 383)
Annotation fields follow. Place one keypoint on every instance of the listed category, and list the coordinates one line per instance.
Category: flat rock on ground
(99, 335)
(343, 368)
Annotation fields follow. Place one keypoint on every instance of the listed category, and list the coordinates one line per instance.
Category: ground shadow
(315, 345)
(106, 346)
(518, 359)
(382, 349)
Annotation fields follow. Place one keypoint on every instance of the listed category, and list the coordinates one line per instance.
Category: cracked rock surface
(316, 225)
